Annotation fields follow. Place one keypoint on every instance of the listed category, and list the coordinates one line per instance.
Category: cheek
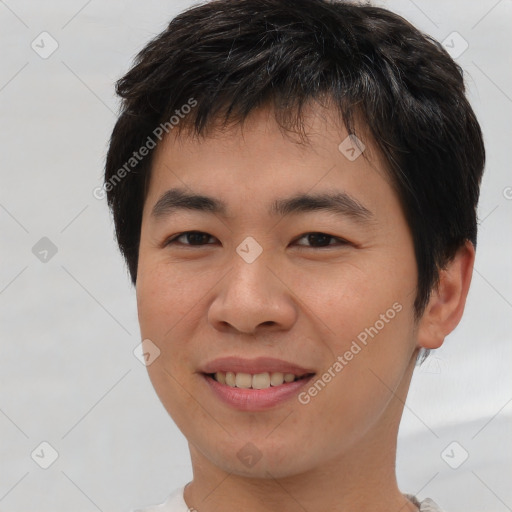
(168, 304)
(164, 298)
(350, 297)
(359, 386)
(365, 316)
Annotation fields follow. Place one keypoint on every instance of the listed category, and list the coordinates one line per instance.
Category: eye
(199, 238)
(194, 238)
(321, 240)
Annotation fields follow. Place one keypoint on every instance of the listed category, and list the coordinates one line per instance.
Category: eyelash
(342, 242)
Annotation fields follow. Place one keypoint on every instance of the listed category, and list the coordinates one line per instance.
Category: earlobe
(446, 305)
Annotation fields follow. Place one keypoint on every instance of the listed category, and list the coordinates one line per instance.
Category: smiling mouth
(263, 380)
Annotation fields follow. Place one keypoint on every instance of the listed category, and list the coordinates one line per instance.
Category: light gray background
(68, 327)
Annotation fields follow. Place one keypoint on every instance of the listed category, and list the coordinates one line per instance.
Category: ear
(446, 305)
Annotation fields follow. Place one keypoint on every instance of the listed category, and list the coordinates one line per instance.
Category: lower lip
(256, 399)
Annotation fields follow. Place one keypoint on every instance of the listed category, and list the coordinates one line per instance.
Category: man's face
(329, 293)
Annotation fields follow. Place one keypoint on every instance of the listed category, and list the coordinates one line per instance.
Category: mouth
(255, 384)
(253, 392)
(263, 380)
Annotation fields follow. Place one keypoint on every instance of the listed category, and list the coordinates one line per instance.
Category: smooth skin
(303, 300)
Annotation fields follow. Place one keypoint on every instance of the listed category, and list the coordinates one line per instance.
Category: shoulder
(427, 505)
(174, 503)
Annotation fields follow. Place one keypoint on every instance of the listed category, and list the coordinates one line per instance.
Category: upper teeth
(256, 381)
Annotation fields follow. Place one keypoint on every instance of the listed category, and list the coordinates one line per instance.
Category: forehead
(258, 160)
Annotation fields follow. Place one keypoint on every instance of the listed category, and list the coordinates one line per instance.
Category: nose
(253, 298)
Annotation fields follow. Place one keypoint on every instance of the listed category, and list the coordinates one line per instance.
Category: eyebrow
(339, 203)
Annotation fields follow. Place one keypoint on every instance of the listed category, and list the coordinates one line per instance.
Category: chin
(263, 459)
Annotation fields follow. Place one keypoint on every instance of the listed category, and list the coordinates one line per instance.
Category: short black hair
(230, 57)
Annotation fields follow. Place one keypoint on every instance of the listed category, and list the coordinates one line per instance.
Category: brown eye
(321, 240)
(193, 238)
